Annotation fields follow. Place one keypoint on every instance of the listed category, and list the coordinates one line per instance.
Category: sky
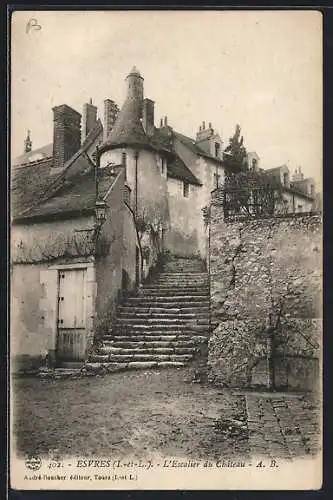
(260, 69)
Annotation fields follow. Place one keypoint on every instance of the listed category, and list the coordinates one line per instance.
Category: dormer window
(217, 149)
(185, 189)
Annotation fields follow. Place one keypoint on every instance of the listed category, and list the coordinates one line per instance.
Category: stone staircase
(163, 326)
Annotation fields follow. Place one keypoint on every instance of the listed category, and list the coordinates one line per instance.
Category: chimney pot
(148, 116)
(165, 121)
(111, 111)
(203, 125)
(89, 119)
(161, 122)
(66, 134)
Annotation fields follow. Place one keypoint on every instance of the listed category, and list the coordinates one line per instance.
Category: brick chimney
(111, 111)
(148, 119)
(89, 119)
(66, 134)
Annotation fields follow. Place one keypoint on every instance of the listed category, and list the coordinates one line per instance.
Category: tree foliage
(251, 193)
(235, 154)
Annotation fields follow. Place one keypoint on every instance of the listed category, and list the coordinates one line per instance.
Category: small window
(185, 190)
(299, 208)
(163, 163)
(123, 159)
(254, 163)
(285, 178)
(216, 180)
(312, 190)
(217, 149)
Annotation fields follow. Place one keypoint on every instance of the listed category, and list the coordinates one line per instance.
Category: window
(254, 163)
(312, 191)
(185, 189)
(217, 149)
(216, 180)
(285, 178)
(299, 208)
(163, 165)
(123, 159)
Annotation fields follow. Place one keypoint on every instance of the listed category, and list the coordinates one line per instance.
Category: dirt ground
(129, 414)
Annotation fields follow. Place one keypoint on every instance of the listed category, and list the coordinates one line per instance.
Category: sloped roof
(178, 170)
(34, 155)
(93, 134)
(195, 148)
(32, 184)
(28, 183)
(276, 169)
(75, 196)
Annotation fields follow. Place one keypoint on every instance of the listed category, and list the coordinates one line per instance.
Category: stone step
(177, 302)
(164, 315)
(163, 310)
(181, 276)
(147, 338)
(184, 268)
(150, 344)
(145, 350)
(179, 281)
(175, 293)
(189, 265)
(167, 292)
(158, 321)
(158, 329)
(121, 358)
(155, 338)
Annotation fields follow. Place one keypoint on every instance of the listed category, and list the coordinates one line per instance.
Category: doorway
(71, 320)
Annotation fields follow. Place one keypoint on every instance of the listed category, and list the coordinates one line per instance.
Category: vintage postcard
(166, 250)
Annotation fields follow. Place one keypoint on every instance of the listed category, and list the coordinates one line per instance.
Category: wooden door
(71, 340)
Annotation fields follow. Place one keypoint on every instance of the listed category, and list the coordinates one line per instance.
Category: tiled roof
(28, 183)
(190, 143)
(178, 170)
(34, 183)
(77, 195)
(34, 155)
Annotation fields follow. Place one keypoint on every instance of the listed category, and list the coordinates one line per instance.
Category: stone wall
(265, 301)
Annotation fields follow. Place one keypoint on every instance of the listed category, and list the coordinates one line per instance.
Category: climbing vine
(59, 245)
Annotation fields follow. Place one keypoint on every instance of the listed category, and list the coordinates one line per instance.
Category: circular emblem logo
(33, 462)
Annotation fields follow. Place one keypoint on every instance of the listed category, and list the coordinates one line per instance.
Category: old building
(93, 211)
(298, 193)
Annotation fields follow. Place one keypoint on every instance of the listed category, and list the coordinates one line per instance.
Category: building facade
(93, 212)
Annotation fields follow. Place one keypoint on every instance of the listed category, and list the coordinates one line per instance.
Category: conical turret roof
(128, 129)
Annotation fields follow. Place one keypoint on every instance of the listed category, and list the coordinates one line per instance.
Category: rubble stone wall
(265, 277)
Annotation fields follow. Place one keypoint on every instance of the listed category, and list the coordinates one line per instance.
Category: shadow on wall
(182, 245)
